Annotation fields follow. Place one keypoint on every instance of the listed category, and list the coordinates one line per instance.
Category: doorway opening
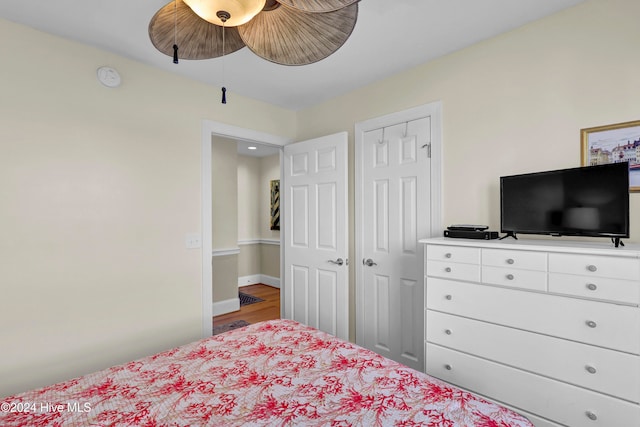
(211, 132)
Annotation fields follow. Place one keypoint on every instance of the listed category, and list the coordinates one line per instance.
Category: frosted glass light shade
(241, 11)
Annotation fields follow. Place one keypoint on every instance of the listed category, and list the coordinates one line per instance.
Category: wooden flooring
(268, 309)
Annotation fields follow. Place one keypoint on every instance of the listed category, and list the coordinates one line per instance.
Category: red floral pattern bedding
(275, 373)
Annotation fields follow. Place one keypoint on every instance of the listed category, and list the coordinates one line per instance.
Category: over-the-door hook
(382, 141)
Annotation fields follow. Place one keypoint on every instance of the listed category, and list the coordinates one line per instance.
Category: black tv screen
(585, 201)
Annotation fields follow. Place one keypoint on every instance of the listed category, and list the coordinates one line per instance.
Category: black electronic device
(467, 227)
(471, 234)
(586, 201)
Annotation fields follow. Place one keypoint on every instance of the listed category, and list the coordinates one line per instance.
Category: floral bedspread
(275, 373)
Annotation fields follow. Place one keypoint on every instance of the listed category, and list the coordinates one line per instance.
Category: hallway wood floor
(268, 309)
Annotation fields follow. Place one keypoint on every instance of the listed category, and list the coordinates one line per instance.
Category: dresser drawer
(606, 371)
(595, 266)
(453, 254)
(524, 279)
(603, 288)
(558, 401)
(452, 270)
(516, 259)
(603, 324)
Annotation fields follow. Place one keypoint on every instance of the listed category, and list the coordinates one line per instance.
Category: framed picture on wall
(275, 205)
(619, 142)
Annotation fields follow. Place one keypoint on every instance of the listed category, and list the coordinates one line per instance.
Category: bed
(274, 373)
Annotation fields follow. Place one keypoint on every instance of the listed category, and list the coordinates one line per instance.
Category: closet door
(395, 171)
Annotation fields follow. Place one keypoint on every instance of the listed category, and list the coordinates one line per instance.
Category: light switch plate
(193, 241)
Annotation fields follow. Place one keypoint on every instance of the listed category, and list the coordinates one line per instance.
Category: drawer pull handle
(447, 255)
(448, 297)
(592, 286)
(592, 268)
(509, 276)
(447, 331)
(591, 324)
(510, 261)
(590, 369)
(448, 367)
(448, 269)
(591, 415)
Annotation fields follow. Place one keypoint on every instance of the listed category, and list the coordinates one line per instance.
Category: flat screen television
(585, 201)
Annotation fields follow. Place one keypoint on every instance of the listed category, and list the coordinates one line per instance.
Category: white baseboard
(259, 278)
(226, 306)
(270, 280)
(248, 280)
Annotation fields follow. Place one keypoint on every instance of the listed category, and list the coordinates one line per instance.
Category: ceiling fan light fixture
(238, 11)
(286, 32)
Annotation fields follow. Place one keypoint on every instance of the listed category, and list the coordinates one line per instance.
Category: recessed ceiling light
(252, 148)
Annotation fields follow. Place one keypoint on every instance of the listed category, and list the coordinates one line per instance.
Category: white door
(395, 172)
(316, 272)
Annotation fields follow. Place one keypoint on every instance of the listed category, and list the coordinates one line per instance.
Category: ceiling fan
(286, 32)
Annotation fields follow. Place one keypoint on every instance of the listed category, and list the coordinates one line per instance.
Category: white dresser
(549, 328)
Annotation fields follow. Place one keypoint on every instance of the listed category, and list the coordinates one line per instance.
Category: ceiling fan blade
(317, 5)
(287, 36)
(196, 38)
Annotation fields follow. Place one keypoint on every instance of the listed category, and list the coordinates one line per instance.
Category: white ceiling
(390, 36)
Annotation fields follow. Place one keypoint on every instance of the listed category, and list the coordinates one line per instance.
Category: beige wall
(248, 261)
(225, 278)
(99, 187)
(254, 201)
(270, 260)
(248, 175)
(224, 212)
(248, 197)
(224, 188)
